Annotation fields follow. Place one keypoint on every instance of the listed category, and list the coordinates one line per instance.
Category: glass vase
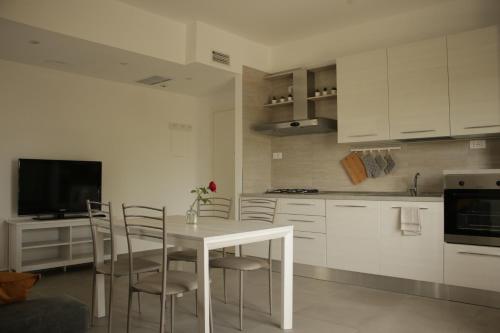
(191, 217)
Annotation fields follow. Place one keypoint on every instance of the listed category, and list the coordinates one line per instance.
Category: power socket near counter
(477, 144)
(278, 156)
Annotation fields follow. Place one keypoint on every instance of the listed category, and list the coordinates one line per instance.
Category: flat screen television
(57, 187)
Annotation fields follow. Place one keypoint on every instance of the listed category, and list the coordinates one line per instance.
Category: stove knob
(498, 182)
(461, 183)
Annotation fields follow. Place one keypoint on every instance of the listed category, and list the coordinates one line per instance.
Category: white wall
(428, 22)
(51, 114)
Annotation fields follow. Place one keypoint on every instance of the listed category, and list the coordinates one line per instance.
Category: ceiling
(272, 22)
(29, 45)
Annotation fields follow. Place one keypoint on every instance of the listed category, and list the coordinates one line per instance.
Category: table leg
(100, 288)
(287, 282)
(203, 289)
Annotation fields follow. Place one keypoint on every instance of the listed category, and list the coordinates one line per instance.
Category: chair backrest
(145, 222)
(100, 217)
(257, 209)
(215, 207)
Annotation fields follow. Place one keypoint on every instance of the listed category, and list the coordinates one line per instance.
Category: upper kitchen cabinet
(363, 97)
(418, 90)
(474, 71)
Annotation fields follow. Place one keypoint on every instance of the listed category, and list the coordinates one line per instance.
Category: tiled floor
(320, 306)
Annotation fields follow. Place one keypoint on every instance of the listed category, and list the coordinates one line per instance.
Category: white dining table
(209, 234)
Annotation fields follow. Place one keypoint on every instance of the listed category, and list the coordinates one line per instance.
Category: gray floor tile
(319, 306)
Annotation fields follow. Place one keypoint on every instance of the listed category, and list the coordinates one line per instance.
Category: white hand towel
(411, 221)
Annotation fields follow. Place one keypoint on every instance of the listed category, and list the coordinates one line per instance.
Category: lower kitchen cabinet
(309, 248)
(353, 235)
(364, 236)
(412, 257)
(472, 266)
(308, 218)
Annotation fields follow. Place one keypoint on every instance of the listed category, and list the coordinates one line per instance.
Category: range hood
(303, 119)
(298, 127)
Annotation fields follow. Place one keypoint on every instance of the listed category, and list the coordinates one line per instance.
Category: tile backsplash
(313, 161)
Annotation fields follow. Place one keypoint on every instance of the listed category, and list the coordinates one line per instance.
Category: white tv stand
(36, 245)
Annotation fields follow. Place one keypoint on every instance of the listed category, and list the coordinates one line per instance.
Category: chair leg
(128, 309)
(270, 287)
(93, 300)
(172, 310)
(224, 276)
(241, 300)
(224, 283)
(110, 310)
(162, 314)
(138, 297)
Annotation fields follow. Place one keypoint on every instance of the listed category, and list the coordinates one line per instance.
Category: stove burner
(294, 190)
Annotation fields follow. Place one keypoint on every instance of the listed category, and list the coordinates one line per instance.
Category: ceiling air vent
(221, 58)
(154, 80)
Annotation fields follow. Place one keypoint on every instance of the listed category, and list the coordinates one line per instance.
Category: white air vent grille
(221, 58)
(154, 80)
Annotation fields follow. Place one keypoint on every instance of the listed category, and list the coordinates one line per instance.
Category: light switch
(477, 144)
(278, 156)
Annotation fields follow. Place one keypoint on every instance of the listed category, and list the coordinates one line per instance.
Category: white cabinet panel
(309, 248)
(418, 90)
(353, 235)
(363, 97)
(472, 266)
(301, 206)
(303, 222)
(412, 257)
(474, 71)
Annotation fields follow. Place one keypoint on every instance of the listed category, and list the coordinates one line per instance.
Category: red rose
(212, 187)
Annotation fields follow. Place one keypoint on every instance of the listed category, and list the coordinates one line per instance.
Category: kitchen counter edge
(346, 196)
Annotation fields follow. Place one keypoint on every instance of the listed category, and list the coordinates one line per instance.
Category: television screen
(57, 187)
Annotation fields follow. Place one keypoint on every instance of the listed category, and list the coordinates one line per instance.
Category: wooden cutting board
(354, 168)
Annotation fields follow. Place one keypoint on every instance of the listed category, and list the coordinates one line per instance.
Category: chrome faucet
(414, 190)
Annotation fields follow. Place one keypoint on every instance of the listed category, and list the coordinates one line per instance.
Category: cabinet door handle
(361, 135)
(257, 217)
(483, 126)
(418, 131)
(418, 207)
(351, 206)
(299, 204)
(304, 237)
(304, 221)
(480, 254)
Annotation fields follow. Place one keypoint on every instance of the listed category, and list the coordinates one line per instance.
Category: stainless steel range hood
(303, 120)
(298, 127)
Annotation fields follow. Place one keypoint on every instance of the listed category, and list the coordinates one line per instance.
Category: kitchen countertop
(345, 195)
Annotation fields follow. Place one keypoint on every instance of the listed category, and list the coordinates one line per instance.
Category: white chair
(215, 207)
(251, 210)
(140, 222)
(100, 216)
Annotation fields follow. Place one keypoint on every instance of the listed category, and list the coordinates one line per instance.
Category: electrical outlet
(477, 144)
(278, 156)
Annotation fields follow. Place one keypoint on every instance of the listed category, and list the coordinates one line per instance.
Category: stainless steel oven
(472, 208)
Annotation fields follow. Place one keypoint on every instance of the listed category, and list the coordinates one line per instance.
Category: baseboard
(398, 285)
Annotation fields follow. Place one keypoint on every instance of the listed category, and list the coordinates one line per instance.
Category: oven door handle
(479, 254)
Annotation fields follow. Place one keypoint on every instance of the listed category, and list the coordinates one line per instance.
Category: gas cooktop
(294, 190)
